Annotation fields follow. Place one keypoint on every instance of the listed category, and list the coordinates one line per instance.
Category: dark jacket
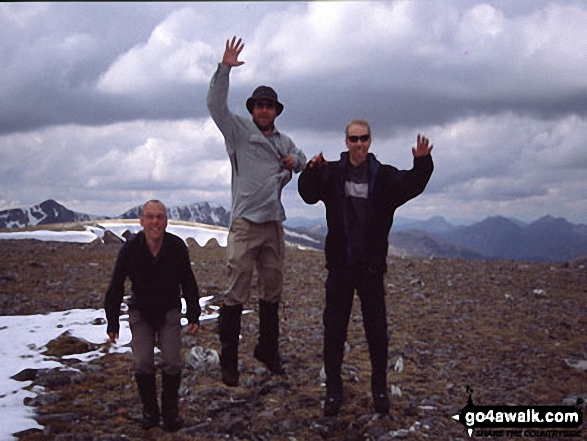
(156, 282)
(389, 188)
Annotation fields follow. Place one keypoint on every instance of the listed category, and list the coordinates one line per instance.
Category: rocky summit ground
(512, 331)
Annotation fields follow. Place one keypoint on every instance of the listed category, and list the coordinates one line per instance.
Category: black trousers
(341, 285)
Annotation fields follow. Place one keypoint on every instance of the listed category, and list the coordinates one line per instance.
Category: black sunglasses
(362, 138)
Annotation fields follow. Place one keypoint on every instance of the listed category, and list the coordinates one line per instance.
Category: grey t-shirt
(357, 192)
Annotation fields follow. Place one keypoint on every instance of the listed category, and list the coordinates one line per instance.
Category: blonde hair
(358, 122)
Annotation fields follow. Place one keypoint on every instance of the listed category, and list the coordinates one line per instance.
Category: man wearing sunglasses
(262, 160)
(360, 195)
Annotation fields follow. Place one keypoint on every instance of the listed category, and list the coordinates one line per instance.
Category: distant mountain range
(51, 212)
(548, 239)
(202, 212)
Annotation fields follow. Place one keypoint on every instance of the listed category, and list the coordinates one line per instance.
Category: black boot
(267, 349)
(169, 402)
(148, 392)
(229, 327)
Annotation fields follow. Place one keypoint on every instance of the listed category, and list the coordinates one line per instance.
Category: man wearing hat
(262, 160)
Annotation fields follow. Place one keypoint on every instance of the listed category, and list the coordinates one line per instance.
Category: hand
(112, 336)
(232, 52)
(317, 162)
(289, 162)
(422, 148)
(193, 328)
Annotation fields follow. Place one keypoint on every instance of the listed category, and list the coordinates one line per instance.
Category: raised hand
(317, 162)
(233, 50)
(422, 148)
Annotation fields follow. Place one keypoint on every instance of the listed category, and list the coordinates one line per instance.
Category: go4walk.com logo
(525, 421)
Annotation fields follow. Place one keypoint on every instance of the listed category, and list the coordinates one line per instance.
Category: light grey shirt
(258, 174)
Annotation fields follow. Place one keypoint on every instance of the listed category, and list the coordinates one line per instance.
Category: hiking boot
(332, 405)
(229, 326)
(267, 349)
(381, 403)
(149, 420)
(169, 402)
(148, 392)
(230, 378)
(272, 361)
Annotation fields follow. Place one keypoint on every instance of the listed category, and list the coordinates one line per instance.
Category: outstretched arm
(232, 51)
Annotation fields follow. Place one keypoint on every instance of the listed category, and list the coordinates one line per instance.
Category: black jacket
(157, 282)
(389, 188)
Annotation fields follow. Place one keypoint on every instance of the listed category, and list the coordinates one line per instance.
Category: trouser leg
(339, 301)
(170, 343)
(229, 327)
(371, 291)
(142, 343)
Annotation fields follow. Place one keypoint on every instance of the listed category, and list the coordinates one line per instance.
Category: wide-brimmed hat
(264, 93)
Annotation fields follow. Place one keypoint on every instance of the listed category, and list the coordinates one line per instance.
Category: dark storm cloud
(111, 96)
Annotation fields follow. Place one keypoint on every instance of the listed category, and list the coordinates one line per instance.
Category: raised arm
(218, 92)
(408, 184)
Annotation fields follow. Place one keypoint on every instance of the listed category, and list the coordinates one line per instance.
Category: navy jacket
(389, 188)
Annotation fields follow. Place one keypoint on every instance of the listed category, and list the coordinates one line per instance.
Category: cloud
(171, 55)
(104, 104)
(172, 159)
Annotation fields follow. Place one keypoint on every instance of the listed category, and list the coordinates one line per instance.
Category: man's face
(264, 114)
(154, 221)
(358, 141)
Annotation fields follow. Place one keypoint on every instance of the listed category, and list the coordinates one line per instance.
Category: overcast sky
(103, 105)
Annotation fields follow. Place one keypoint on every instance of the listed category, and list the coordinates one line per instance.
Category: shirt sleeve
(410, 183)
(310, 184)
(189, 287)
(115, 291)
(218, 105)
(298, 155)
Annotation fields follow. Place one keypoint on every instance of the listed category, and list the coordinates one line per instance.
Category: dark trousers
(340, 289)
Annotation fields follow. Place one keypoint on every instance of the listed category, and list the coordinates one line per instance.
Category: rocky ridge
(512, 331)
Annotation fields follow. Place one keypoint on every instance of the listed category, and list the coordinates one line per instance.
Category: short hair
(358, 122)
(153, 201)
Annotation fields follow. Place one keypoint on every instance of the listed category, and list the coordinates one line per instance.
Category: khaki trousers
(254, 245)
(145, 337)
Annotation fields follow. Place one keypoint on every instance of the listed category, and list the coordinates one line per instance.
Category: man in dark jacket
(360, 195)
(158, 265)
